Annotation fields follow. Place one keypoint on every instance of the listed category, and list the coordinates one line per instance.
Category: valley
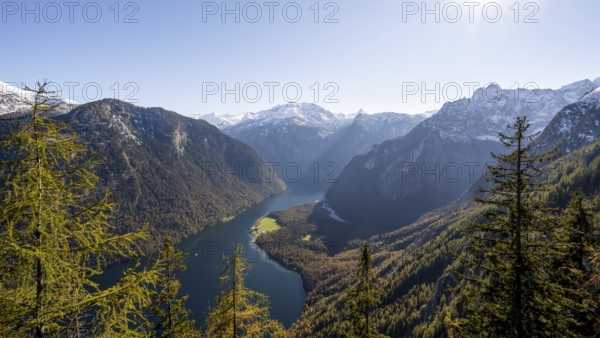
(204, 252)
(335, 169)
(399, 192)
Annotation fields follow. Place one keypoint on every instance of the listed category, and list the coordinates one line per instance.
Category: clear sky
(376, 55)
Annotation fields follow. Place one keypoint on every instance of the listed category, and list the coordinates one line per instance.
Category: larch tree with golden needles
(240, 312)
(171, 317)
(55, 236)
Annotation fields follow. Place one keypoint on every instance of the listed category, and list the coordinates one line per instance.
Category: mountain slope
(173, 173)
(290, 135)
(365, 131)
(301, 135)
(439, 159)
(576, 125)
(415, 264)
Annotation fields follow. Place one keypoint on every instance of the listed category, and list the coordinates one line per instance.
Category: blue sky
(379, 56)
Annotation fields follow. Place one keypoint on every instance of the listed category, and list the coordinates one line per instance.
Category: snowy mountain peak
(221, 120)
(491, 92)
(361, 112)
(597, 82)
(491, 109)
(574, 90)
(576, 85)
(297, 113)
(592, 97)
(575, 126)
(14, 100)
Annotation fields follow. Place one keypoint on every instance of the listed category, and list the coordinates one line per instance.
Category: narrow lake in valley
(204, 262)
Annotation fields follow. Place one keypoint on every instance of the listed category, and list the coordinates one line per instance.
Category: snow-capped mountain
(367, 130)
(297, 113)
(293, 134)
(306, 114)
(14, 100)
(441, 157)
(221, 121)
(491, 109)
(302, 134)
(575, 126)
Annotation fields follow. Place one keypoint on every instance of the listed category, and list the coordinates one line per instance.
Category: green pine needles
(239, 311)
(364, 296)
(513, 275)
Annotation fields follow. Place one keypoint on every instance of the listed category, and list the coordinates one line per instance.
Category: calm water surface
(204, 262)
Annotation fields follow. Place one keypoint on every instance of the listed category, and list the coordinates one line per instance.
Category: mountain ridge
(401, 179)
(173, 173)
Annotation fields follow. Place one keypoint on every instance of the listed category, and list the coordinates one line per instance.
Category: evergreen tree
(507, 287)
(577, 229)
(364, 296)
(593, 285)
(240, 312)
(55, 236)
(574, 269)
(171, 315)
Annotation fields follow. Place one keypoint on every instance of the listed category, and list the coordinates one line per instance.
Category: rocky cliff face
(575, 126)
(309, 138)
(439, 159)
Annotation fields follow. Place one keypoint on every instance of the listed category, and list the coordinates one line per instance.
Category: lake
(204, 262)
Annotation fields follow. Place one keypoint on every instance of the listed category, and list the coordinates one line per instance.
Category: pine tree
(240, 312)
(578, 231)
(55, 236)
(507, 289)
(171, 317)
(593, 285)
(364, 296)
(574, 268)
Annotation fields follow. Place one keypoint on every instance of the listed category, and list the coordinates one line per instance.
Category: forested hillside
(416, 264)
(165, 171)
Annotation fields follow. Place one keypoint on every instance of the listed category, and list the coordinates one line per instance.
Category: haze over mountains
(416, 261)
(308, 137)
(394, 167)
(440, 158)
(400, 180)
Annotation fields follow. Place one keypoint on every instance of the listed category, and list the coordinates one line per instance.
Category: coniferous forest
(517, 256)
(299, 169)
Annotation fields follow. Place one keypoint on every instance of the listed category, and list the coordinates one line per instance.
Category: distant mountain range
(415, 263)
(309, 137)
(180, 174)
(403, 178)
